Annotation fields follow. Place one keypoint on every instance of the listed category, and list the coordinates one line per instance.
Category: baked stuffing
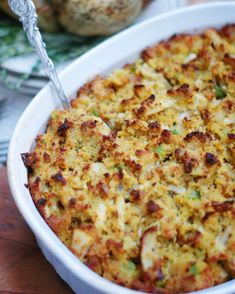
(137, 178)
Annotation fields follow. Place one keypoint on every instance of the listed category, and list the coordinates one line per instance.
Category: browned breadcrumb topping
(137, 178)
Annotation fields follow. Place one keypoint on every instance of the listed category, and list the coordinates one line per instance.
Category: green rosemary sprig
(60, 47)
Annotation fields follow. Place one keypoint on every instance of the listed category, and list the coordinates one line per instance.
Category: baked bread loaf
(85, 17)
(47, 19)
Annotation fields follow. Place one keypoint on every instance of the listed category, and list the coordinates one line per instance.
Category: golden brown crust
(138, 179)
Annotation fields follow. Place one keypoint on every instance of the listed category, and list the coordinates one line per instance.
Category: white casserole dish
(111, 54)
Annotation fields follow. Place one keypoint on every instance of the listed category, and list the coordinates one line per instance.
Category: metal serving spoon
(28, 16)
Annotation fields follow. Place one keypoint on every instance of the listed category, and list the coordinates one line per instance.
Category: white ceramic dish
(113, 53)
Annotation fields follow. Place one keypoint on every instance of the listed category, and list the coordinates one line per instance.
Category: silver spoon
(26, 10)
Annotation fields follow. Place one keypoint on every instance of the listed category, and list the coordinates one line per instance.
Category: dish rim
(53, 244)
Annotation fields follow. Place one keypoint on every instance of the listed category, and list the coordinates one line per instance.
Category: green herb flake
(161, 284)
(110, 126)
(175, 132)
(130, 266)
(220, 92)
(160, 151)
(194, 195)
(95, 113)
(54, 115)
(133, 68)
(78, 145)
(118, 167)
(224, 134)
(77, 148)
(193, 270)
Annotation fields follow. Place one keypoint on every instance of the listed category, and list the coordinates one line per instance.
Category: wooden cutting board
(23, 268)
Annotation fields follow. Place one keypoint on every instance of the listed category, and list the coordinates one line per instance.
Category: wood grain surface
(23, 268)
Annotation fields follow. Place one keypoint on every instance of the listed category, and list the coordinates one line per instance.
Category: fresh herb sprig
(60, 47)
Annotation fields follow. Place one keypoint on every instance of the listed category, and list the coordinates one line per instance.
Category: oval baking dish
(112, 54)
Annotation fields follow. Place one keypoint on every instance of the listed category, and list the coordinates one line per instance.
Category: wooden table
(23, 268)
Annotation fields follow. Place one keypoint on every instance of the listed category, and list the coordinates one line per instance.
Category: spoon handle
(26, 10)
